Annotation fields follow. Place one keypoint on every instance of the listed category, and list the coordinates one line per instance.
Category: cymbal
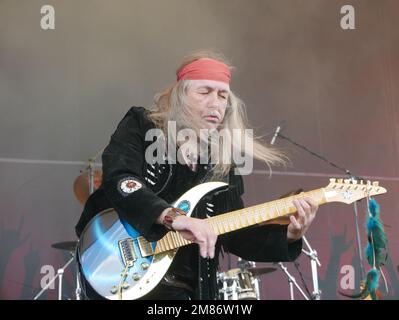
(66, 245)
(81, 185)
(255, 271)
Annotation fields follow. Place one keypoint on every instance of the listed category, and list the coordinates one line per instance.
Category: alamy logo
(47, 22)
(347, 281)
(210, 147)
(348, 19)
(49, 274)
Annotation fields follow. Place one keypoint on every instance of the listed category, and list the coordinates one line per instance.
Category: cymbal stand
(59, 275)
(91, 176)
(78, 291)
(292, 282)
(314, 262)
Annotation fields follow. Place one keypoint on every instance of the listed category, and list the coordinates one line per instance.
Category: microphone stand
(351, 176)
(292, 282)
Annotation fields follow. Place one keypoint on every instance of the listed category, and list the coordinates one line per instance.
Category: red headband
(205, 69)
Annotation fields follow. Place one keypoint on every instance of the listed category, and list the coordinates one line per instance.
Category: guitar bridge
(127, 252)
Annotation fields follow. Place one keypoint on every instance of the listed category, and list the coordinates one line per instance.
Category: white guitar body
(111, 256)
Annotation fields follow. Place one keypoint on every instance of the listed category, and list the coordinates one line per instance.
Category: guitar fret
(236, 223)
(174, 240)
(223, 226)
(217, 226)
(256, 216)
(220, 226)
(179, 239)
(169, 240)
(230, 224)
(161, 245)
(286, 206)
(275, 206)
(264, 214)
(182, 241)
(178, 242)
(226, 225)
(243, 222)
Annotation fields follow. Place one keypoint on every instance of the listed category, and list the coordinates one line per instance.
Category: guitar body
(110, 251)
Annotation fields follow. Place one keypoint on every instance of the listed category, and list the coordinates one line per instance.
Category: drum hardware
(292, 282)
(241, 283)
(314, 262)
(85, 182)
(89, 180)
(258, 271)
(68, 246)
(236, 284)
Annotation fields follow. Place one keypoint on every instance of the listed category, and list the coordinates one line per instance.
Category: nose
(214, 101)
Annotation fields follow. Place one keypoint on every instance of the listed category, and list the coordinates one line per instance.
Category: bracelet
(170, 216)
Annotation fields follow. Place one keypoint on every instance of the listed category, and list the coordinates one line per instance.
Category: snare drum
(236, 284)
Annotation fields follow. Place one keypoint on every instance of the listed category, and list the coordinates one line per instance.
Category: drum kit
(241, 283)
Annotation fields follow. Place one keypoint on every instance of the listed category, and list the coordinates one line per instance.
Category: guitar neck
(258, 214)
(243, 218)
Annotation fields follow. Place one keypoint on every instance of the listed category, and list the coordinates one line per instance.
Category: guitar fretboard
(235, 220)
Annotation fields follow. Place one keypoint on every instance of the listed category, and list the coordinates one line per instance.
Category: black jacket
(161, 185)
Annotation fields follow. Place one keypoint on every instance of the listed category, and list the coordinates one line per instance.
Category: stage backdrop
(63, 91)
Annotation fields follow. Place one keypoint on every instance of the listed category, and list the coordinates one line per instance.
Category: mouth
(214, 119)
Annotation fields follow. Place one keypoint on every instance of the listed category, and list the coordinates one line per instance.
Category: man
(141, 189)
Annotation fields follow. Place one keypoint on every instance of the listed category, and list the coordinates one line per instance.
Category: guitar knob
(114, 289)
(125, 285)
(136, 276)
(145, 266)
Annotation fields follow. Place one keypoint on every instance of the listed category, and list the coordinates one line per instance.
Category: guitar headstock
(348, 190)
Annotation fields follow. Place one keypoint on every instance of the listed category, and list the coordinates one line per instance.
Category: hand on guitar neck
(195, 230)
(302, 218)
(298, 222)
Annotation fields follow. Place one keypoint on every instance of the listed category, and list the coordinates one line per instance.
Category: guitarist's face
(208, 100)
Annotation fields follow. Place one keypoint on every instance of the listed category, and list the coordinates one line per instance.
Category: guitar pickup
(127, 251)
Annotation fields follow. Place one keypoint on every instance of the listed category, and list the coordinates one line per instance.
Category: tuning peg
(354, 181)
(347, 181)
(361, 181)
(332, 180)
(375, 184)
(340, 180)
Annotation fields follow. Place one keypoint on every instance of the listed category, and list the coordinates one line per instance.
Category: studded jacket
(161, 184)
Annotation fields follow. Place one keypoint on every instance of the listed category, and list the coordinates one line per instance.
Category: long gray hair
(171, 105)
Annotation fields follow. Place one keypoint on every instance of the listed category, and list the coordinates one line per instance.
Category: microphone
(275, 134)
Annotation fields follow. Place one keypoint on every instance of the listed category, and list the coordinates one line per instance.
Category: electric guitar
(119, 263)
